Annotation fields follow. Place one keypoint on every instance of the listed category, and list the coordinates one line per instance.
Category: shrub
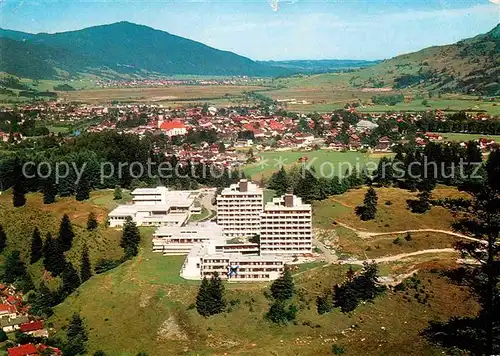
(3, 336)
(337, 349)
(104, 265)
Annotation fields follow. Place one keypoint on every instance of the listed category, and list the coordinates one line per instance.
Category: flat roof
(123, 210)
(209, 229)
(139, 191)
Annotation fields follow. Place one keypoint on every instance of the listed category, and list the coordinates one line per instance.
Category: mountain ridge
(155, 52)
(470, 66)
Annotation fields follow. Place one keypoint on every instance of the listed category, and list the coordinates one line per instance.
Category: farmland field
(167, 94)
(327, 92)
(462, 137)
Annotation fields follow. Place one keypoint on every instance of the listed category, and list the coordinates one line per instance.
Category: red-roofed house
(8, 311)
(172, 128)
(55, 351)
(23, 350)
(34, 328)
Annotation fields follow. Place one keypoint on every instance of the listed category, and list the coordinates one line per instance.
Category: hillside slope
(468, 66)
(123, 48)
(321, 65)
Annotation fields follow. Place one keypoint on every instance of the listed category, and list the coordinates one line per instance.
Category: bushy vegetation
(388, 99)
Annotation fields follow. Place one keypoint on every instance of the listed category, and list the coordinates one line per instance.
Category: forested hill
(121, 48)
(468, 66)
(321, 65)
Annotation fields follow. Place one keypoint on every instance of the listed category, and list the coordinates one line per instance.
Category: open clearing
(326, 163)
(173, 93)
(392, 211)
(462, 137)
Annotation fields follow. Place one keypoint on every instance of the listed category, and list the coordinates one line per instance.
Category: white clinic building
(157, 207)
(286, 226)
(204, 260)
(239, 208)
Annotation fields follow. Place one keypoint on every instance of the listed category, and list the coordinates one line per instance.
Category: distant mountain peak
(124, 48)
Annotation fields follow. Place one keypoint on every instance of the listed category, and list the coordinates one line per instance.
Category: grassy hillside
(321, 65)
(392, 211)
(144, 306)
(19, 223)
(469, 66)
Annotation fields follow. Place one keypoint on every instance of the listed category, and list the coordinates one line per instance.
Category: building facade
(286, 226)
(239, 208)
(157, 207)
(204, 260)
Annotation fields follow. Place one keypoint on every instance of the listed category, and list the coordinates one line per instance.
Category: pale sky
(300, 29)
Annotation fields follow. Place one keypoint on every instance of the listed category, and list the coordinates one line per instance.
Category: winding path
(366, 234)
(400, 256)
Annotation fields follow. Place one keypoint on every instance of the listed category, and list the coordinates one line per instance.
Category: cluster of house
(250, 241)
(237, 127)
(14, 316)
(158, 83)
(33, 350)
(485, 144)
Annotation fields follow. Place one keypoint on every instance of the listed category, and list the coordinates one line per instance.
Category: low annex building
(157, 207)
(204, 260)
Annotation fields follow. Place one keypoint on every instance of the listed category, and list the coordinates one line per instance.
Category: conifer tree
(70, 280)
(354, 178)
(323, 304)
(85, 267)
(83, 189)
(369, 208)
(77, 337)
(283, 287)
(53, 256)
(421, 205)
(279, 182)
(204, 298)
(14, 268)
(66, 234)
(210, 299)
(131, 238)
(117, 194)
(385, 172)
(307, 185)
(44, 300)
(3, 239)
(218, 303)
(92, 223)
(36, 246)
(18, 194)
(49, 192)
(279, 314)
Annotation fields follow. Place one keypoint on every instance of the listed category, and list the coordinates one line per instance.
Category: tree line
(108, 160)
